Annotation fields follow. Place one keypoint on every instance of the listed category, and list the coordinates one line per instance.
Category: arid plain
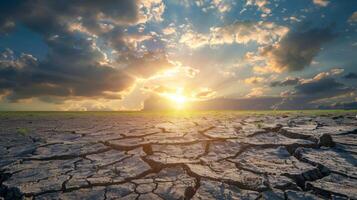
(199, 155)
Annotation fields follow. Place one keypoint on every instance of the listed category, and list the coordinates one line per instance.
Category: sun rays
(178, 99)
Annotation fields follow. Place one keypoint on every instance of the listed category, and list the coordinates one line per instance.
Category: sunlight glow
(178, 99)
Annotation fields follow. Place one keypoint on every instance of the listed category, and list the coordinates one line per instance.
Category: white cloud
(222, 5)
(262, 6)
(254, 80)
(322, 3)
(193, 39)
(323, 75)
(292, 19)
(134, 40)
(256, 92)
(244, 32)
(151, 10)
(168, 30)
(238, 32)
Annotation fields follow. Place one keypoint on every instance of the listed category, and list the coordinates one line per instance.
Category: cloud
(286, 82)
(353, 17)
(319, 86)
(160, 89)
(169, 30)
(6, 26)
(242, 32)
(264, 70)
(90, 105)
(256, 92)
(204, 94)
(262, 6)
(192, 94)
(55, 16)
(90, 52)
(322, 85)
(313, 92)
(254, 80)
(343, 105)
(322, 3)
(99, 49)
(350, 75)
(78, 76)
(319, 91)
(193, 39)
(292, 19)
(26, 77)
(133, 40)
(323, 75)
(296, 50)
(222, 6)
(148, 65)
(106, 20)
(153, 10)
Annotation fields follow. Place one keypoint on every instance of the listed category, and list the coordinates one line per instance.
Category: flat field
(178, 155)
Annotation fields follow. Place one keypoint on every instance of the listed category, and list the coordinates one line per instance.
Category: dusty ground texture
(216, 155)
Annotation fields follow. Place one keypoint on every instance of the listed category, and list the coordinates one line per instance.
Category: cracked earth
(220, 155)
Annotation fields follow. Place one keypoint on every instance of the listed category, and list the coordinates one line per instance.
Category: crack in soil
(303, 180)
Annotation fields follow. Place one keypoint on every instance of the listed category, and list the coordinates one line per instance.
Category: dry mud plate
(216, 155)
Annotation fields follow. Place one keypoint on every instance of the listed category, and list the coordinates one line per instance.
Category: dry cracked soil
(217, 155)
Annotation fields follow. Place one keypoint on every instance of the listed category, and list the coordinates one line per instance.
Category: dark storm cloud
(350, 76)
(6, 19)
(104, 19)
(344, 105)
(147, 65)
(326, 85)
(286, 82)
(26, 77)
(309, 93)
(74, 66)
(77, 75)
(6, 26)
(51, 16)
(297, 49)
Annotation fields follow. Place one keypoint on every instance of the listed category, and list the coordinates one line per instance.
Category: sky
(117, 54)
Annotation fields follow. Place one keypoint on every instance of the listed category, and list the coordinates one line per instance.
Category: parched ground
(209, 155)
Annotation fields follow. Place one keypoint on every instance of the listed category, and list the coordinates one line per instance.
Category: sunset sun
(177, 99)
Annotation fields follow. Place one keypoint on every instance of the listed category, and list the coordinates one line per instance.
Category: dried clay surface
(215, 155)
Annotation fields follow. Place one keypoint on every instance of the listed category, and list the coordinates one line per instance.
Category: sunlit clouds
(121, 54)
(322, 3)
